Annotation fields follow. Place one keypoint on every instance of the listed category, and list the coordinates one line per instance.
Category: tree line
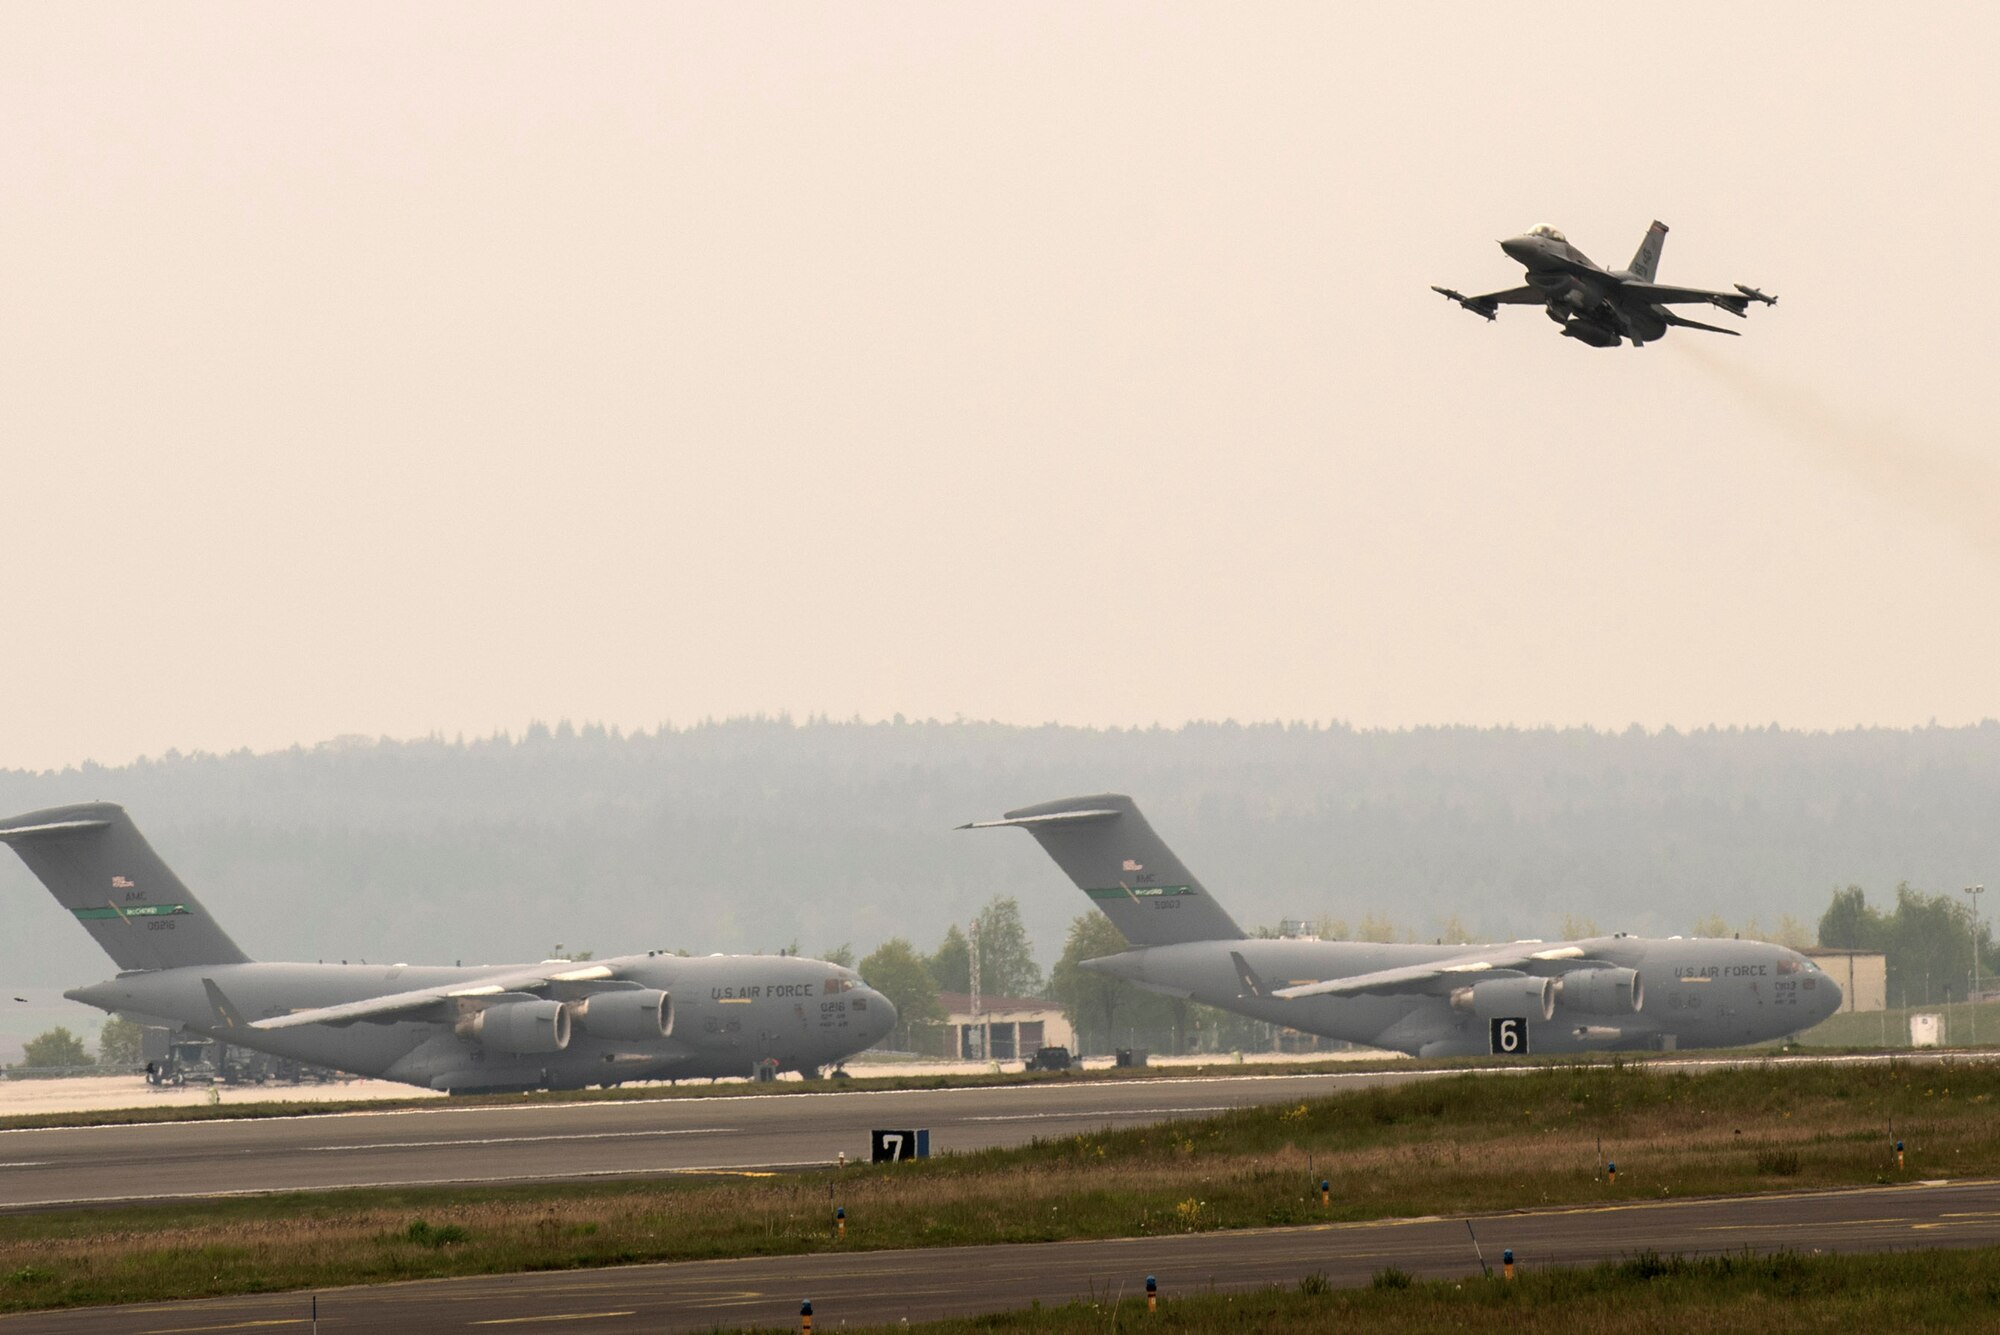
(58, 1049)
(1930, 941)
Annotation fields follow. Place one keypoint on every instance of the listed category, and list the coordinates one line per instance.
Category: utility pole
(978, 1025)
(1975, 891)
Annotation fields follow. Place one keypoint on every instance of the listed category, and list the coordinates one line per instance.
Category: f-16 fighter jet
(1602, 307)
(1606, 993)
(557, 1024)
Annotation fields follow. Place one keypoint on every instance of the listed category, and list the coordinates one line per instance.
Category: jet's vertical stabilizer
(1646, 264)
(1113, 855)
(98, 866)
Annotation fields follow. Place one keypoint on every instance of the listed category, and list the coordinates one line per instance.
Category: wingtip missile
(1755, 295)
(1471, 304)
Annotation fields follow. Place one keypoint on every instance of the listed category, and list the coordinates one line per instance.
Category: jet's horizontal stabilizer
(1048, 819)
(14, 834)
(1686, 323)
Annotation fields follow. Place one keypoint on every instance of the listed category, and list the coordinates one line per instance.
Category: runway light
(840, 1220)
(1611, 1173)
(1899, 1156)
(806, 1317)
(1152, 1294)
(1325, 1193)
(1507, 1263)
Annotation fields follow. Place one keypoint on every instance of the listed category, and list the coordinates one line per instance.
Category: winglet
(1253, 986)
(225, 1012)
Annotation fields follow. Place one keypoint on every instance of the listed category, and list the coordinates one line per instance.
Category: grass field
(1452, 1145)
(1642, 1295)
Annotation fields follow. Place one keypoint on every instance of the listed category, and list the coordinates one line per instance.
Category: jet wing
(1429, 976)
(1491, 301)
(402, 1003)
(1660, 295)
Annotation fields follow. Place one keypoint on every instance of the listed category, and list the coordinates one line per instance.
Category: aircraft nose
(881, 1015)
(1518, 247)
(1830, 1002)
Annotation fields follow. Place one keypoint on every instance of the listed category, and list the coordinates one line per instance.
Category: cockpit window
(1791, 965)
(1548, 232)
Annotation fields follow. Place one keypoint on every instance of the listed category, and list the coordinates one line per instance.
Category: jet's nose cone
(1519, 247)
(881, 1015)
(1830, 998)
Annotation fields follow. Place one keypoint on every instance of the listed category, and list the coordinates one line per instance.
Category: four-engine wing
(552, 974)
(1451, 970)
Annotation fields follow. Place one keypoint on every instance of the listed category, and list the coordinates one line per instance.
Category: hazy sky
(390, 368)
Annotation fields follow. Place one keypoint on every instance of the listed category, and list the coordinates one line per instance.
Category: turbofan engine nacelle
(520, 1026)
(1603, 991)
(1495, 998)
(636, 1015)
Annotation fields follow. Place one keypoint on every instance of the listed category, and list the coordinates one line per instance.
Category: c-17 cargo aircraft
(559, 1024)
(1598, 306)
(1602, 994)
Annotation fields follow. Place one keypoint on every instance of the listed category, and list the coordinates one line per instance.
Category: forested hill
(755, 834)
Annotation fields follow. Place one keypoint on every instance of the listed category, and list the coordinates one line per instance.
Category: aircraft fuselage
(727, 1014)
(1698, 993)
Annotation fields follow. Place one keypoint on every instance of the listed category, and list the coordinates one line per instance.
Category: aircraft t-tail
(1598, 306)
(1604, 993)
(558, 1024)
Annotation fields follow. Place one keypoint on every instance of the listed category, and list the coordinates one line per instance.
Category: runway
(458, 1144)
(866, 1287)
(101, 1165)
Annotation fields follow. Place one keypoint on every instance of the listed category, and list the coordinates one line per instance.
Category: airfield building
(1863, 976)
(1010, 1028)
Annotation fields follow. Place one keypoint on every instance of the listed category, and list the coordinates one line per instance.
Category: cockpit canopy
(1544, 230)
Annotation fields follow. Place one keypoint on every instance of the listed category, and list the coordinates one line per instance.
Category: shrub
(1779, 1163)
(426, 1234)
